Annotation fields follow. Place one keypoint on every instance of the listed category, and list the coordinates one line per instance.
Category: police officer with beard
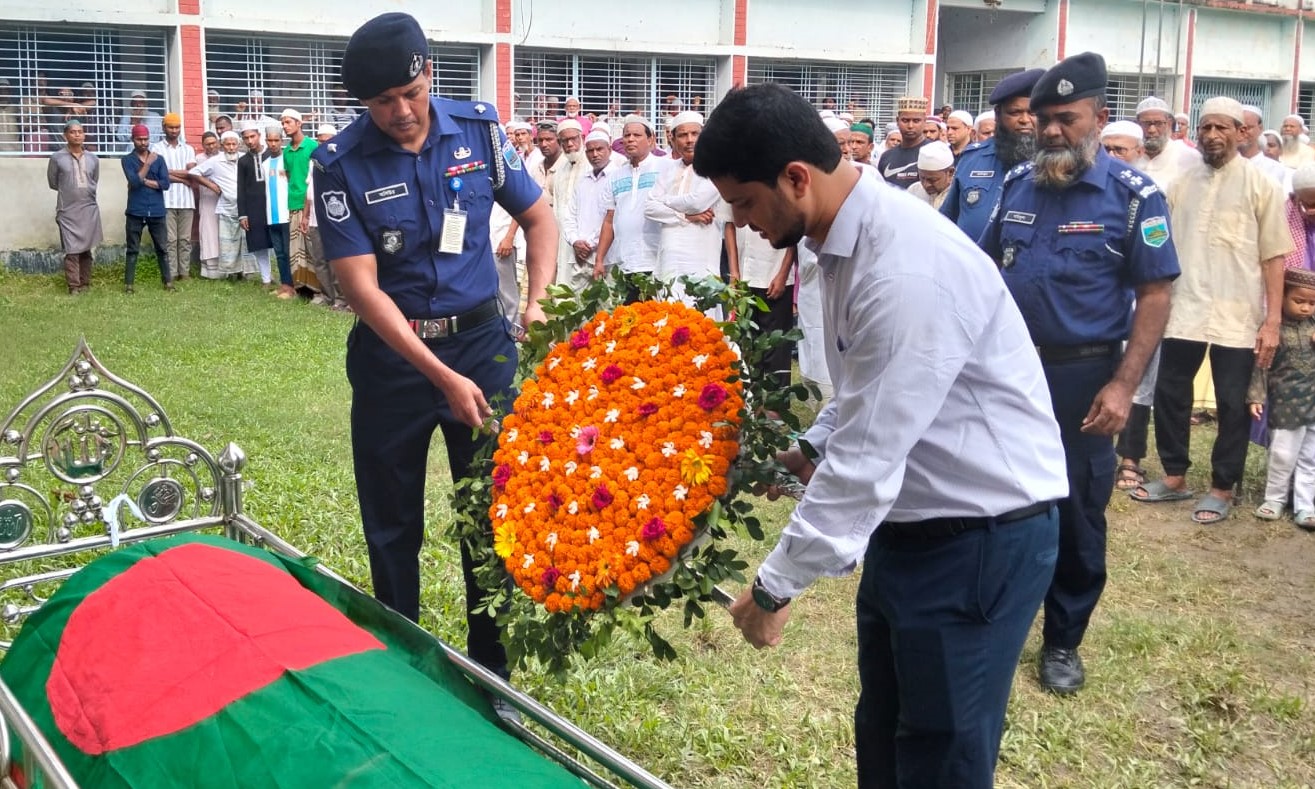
(1077, 234)
(404, 196)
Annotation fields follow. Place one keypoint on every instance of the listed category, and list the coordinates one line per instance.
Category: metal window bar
(302, 72)
(1247, 92)
(863, 89)
(1305, 105)
(972, 91)
(39, 62)
(1126, 91)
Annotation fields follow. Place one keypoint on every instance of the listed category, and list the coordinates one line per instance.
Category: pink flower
(652, 530)
(647, 409)
(712, 396)
(549, 577)
(500, 476)
(602, 496)
(580, 339)
(554, 501)
(611, 372)
(584, 443)
(680, 336)
(545, 437)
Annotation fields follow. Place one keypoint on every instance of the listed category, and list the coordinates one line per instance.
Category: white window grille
(303, 72)
(99, 66)
(1126, 91)
(1305, 106)
(608, 84)
(1255, 93)
(972, 91)
(868, 91)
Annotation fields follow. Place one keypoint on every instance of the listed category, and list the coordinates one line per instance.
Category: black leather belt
(941, 528)
(437, 328)
(1055, 354)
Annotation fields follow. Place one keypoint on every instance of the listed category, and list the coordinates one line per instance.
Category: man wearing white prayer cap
(570, 136)
(1303, 237)
(984, 126)
(325, 132)
(841, 131)
(582, 221)
(688, 209)
(1252, 149)
(1164, 158)
(628, 239)
(959, 131)
(1122, 139)
(1295, 151)
(935, 172)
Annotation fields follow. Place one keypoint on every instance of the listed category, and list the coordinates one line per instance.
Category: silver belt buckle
(434, 329)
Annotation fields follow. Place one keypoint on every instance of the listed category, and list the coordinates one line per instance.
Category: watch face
(765, 600)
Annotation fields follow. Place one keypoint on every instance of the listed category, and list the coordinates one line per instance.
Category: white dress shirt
(685, 248)
(635, 238)
(940, 407)
(177, 157)
(584, 215)
(1177, 158)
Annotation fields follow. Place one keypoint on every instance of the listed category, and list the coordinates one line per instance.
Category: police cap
(1014, 85)
(1079, 77)
(387, 51)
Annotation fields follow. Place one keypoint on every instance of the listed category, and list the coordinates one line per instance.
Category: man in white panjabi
(583, 218)
(685, 206)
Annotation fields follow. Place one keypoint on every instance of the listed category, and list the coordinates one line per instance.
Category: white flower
(669, 449)
(612, 415)
(573, 507)
(705, 439)
(502, 511)
(660, 322)
(575, 580)
(654, 350)
(589, 363)
(529, 508)
(595, 472)
(611, 346)
(632, 473)
(553, 362)
(548, 399)
(637, 385)
(679, 391)
(571, 466)
(571, 397)
(544, 464)
(642, 501)
(512, 435)
(551, 540)
(602, 325)
(617, 443)
(593, 534)
(679, 493)
(700, 360)
(529, 561)
(575, 431)
(523, 457)
(632, 548)
(593, 393)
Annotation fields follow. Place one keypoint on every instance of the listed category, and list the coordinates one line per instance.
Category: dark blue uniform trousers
(394, 412)
(1080, 570)
(941, 623)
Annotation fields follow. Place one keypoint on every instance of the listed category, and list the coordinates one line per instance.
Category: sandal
(1270, 511)
(1157, 491)
(1211, 509)
(1305, 519)
(1131, 476)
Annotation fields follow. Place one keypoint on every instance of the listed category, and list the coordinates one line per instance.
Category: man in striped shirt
(180, 199)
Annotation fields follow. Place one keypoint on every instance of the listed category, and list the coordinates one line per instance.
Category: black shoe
(1061, 670)
(127, 289)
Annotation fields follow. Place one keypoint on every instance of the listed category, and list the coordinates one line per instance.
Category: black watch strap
(765, 599)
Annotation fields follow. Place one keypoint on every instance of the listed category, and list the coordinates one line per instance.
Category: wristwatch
(765, 599)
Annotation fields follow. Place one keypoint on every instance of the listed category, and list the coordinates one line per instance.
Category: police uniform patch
(511, 156)
(973, 196)
(1155, 231)
(982, 174)
(1149, 190)
(1064, 87)
(335, 205)
(417, 63)
(461, 153)
(391, 241)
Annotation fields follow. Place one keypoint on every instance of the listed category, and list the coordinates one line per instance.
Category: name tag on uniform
(386, 193)
(1021, 217)
(454, 232)
(982, 174)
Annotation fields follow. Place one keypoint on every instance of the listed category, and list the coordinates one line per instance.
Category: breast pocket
(1018, 252)
(1235, 229)
(1085, 262)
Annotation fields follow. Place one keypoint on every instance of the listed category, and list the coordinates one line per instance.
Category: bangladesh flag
(195, 661)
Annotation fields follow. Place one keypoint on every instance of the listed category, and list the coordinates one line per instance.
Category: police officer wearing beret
(1077, 234)
(403, 201)
(981, 169)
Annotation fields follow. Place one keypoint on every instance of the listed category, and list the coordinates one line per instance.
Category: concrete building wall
(29, 239)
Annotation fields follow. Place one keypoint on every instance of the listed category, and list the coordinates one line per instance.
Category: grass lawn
(1200, 667)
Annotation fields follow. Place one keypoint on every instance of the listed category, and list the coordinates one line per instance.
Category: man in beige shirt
(1229, 226)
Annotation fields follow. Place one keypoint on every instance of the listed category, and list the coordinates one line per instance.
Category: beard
(575, 157)
(1291, 143)
(1154, 146)
(791, 237)
(1059, 169)
(1012, 147)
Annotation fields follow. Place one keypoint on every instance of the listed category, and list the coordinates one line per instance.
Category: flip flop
(1270, 511)
(1157, 491)
(1212, 504)
(1305, 519)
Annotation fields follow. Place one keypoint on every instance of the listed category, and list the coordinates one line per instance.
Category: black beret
(1015, 85)
(1079, 77)
(387, 51)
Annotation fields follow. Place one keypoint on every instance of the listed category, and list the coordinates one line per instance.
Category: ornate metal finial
(232, 459)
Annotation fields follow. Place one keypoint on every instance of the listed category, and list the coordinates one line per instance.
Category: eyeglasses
(1118, 150)
(1150, 124)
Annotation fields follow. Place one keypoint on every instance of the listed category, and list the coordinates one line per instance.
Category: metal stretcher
(87, 446)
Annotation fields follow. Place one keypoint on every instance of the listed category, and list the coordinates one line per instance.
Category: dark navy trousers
(395, 410)
(1080, 570)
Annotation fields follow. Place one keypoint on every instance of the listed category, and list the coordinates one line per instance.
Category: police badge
(972, 196)
(391, 241)
(335, 205)
(417, 63)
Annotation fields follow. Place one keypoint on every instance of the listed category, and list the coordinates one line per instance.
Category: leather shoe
(1061, 670)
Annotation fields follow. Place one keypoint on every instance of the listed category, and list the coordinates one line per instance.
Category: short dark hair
(757, 130)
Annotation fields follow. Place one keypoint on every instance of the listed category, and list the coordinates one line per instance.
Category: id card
(454, 231)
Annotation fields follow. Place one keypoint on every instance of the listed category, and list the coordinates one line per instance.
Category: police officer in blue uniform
(403, 197)
(981, 168)
(1077, 234)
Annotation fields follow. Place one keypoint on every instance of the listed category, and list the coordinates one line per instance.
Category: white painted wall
(1242, 46)
(836, 30)
(443, 20)
(979, 40)
(29, 222)
(668, 26)
(1114, 29)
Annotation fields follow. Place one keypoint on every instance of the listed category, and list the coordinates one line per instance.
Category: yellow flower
(628, 321)
(696, 469)
(504, 539)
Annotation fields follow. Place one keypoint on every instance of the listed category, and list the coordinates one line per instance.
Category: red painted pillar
(929, 70)
(1061, 37)
(502, 61)
(1296, 63)
(193, 74)
(1187, 61)
(740, 36)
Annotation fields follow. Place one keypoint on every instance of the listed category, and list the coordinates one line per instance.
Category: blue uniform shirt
(375, 198)
(975, 189)
(1072, 259)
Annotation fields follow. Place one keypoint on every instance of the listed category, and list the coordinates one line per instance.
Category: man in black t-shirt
(899, 166)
